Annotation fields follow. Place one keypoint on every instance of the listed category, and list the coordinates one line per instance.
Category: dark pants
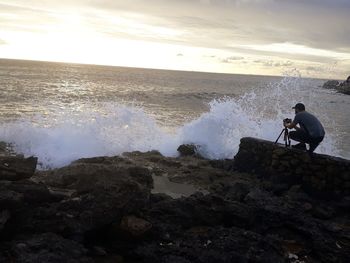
(302, 136)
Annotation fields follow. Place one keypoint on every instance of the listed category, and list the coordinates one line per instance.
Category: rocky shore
(144, 207)
(340, 86)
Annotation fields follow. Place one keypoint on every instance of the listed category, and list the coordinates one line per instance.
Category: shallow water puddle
(176, 190)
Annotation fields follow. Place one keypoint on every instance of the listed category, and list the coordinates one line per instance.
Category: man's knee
(292, 135)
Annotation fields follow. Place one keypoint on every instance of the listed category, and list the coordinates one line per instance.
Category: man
(310, 131)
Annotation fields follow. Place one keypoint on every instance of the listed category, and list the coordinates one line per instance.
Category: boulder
(6, 149)
(342, 87)
(16, 167)
(331, 84)
(4, 217)
(48, 248)
(135, 226)
(187, 150)
(104, 189)
(102, 209)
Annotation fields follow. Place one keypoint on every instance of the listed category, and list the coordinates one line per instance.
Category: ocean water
(61, 112)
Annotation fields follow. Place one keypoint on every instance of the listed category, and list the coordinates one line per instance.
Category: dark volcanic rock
(331, 84)
(4, 216)
(342, 87)
(16, 167)
(134, 226)
(187, 150)
(103, 190)
(48, 248)
(102, 210)
(214, 244)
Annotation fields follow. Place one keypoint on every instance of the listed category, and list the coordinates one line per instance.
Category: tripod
(285, 137)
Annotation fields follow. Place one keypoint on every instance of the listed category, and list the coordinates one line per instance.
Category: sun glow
(73, 31)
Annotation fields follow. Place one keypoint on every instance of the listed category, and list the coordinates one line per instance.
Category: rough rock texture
(48, 248)
(342, 87)
(187, 150)
(102, 210)
(331, 84)
(320, 174)
(72, 202)
(16, 167)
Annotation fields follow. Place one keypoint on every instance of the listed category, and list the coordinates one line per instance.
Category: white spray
(115, 128)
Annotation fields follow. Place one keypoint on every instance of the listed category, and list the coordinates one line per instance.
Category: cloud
(214, 23)
(221, 25)
(321, 24)
(231, 59)
(273, 63)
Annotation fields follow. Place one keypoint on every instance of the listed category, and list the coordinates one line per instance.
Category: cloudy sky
(268, 37)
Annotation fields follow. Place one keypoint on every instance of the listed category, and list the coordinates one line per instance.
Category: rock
(342, 87)
(106, 204)
(307, 207)
(236, 191)
(322, 212)
(16, 168)
(331, 84)
(10, 199)
(31, 192)
(105, 172)
(6, 149)
(4, 217)
(98, 251)
(217, 244)
(134, 226)
(187, 150)
(104, 189)
(48, 248)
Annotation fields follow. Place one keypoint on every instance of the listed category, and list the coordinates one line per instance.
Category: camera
(287, 120)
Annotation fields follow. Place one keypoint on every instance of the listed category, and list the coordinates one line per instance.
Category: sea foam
(117, 128)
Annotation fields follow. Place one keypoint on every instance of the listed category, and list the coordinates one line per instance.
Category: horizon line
(146, 68)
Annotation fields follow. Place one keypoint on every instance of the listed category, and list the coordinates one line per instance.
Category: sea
(61, 112)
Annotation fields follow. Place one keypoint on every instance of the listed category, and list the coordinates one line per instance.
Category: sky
(264, 37)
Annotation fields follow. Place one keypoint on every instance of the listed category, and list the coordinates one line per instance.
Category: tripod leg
(279, 136)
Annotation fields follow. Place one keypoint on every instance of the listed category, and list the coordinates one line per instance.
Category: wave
(117, 128)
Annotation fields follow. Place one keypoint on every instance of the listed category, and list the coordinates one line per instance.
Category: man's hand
(289, 125)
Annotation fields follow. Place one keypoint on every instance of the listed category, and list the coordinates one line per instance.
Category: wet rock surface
(104, 209)
(340, 86)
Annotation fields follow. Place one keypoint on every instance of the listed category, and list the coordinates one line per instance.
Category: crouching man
(310, 130)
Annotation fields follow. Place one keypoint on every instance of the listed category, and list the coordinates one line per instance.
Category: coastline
(106, 209)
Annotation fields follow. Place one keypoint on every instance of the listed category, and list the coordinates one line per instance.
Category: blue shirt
(310, 124)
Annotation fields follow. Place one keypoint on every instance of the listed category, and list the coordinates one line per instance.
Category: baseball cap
(299, 106)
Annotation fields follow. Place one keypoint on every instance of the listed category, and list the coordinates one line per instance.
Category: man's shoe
(300, 146)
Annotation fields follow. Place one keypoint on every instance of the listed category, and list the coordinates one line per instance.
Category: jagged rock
(134, 226)
(48, 248)
(187, 150)
(106, 206)
(331, 84)
(214, 244)
(103, 171)
(17, 168)
(6, 149)
(4, 217)
(342, 87)
(104, 188)
(10, 199)
(30, 192)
